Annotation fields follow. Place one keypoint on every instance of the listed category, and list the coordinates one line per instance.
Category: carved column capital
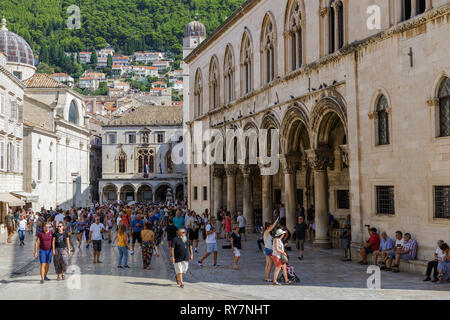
(218, 171)
(320, 159)
(247, 170)
(231, 170)
(289, 163)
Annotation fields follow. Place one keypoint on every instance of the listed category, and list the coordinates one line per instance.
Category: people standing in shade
(22, 229)
(268, 247)
(236, 246)
(122, 246)
(310, 215)
(279, 257)
(148, 240)
(242, 223)
(44, 242)
(137, 225)
(9, 218)
(228, 226)
(171, 232)
(301, 211)
(79, 227)
(211, 242)
(181, 253)
(178, 220)
(61, 251)
(95, 236)
(299, 236)
(158, 231)
(194, 227)
(220, 222)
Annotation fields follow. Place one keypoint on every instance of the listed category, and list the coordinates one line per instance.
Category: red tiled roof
(42, 80)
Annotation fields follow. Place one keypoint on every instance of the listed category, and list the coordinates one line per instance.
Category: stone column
(135, 196)
(428, 4)
(231, 171)
(289, 167)
(249, 215)
(320, 160)
(218, 173)
(267, 199)
(118, 195)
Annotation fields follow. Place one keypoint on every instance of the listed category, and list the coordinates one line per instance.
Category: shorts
(368, 250)
(277, 261)
(237, 252)
(242, 230)
(181, 267)
(136, 236)
(391, 254)
(193, 235)
(45, 256)
(268, 252)
(300, 244)
(211, 247)
(97, 245)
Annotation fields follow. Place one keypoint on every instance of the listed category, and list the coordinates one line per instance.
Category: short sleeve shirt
(210, 238)
(374, 241)
(236, 240)
(95, 228)
(181, 250)
(241, 221)
(45, 240)
(60, 239)
(386, 244)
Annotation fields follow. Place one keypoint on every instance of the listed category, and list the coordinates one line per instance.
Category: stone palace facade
(363, 113)
(137, 156)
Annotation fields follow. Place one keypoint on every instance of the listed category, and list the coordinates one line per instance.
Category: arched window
(444, 108)
(145, 161)
(246, 64)
(73, 113)
(294, 35)
(214, 83)
(383, 120)
(198, 94)
(228, 72)
(336, 32)
(268, 50)
(122, 162)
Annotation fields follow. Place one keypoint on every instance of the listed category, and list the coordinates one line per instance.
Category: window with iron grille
(385, 200)
(442, 202)
(343, 199)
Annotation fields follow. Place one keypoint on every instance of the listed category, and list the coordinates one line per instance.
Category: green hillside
(128, 25)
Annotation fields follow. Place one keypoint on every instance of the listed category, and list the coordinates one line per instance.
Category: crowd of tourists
(59, 233)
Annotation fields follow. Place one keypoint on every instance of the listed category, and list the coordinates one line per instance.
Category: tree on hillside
(94, 59)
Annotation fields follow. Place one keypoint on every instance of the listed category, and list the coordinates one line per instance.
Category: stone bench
(412, 266)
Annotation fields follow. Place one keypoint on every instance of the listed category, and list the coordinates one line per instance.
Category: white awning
(11, 200)
(25, 196)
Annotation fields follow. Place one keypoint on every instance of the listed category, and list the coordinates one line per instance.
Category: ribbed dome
(17, 49)
(195, 29)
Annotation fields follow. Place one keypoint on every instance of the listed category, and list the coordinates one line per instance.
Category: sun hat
(279, 233)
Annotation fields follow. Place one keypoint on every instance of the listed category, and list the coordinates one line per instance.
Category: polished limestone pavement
(323, 276)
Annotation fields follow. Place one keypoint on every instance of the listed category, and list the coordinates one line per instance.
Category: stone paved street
(323, 276)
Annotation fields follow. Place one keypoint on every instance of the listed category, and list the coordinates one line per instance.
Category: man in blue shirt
(178, 220)
(386, 245)
(137, 226)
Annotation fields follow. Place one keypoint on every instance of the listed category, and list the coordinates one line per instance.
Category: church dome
(195, 29)
(17, 49)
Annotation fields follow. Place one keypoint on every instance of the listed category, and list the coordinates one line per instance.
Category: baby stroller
(291, 275)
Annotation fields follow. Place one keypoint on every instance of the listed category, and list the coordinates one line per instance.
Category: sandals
(63, 277)
(268, 280)
(277, 284)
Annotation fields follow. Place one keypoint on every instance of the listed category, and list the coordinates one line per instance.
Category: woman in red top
(227, 226)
